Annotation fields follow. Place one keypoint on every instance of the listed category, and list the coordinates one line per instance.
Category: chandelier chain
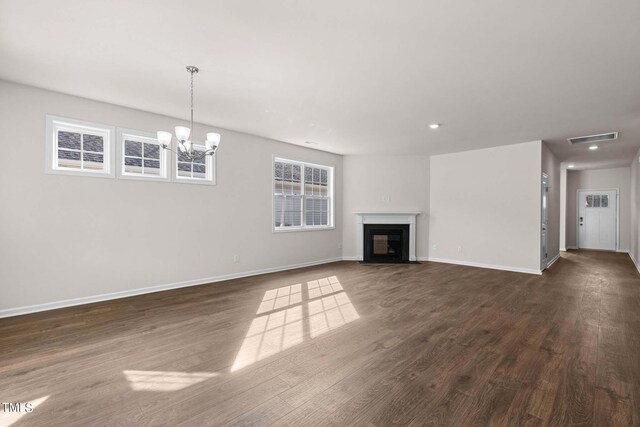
(192, 72)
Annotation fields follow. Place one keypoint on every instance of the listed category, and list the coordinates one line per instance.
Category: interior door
(597, 219)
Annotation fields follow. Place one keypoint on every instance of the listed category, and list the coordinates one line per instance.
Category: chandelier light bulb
(164, 138)
(182, 133)
(213, 139)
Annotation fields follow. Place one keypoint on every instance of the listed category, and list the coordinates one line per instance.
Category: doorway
(544, 256)
(598, 219)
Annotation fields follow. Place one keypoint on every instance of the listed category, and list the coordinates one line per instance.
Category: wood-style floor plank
(427, 344)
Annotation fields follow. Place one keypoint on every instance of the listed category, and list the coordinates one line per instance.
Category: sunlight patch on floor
(9, 415)
(270, 334)
(325, 286)
(164, 380)
(288, 315)
(329, 313)
(280, 298)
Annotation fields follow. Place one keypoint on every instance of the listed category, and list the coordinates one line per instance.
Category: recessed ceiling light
(570, 166)
(434, 125)
(593, 147)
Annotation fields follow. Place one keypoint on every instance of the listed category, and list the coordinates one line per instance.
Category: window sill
(80, 172)
(294, 229)
(194, 181)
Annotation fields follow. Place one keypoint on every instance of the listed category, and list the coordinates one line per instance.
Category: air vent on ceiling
(593, 138)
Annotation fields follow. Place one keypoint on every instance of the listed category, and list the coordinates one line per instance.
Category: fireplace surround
(384, 219)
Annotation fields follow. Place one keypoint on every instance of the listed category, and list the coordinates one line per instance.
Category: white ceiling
(357, 76)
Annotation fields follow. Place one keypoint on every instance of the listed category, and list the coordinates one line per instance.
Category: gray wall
(386, 184)
(66, 237)
(551, 166)
(600, 179)
(485, 207)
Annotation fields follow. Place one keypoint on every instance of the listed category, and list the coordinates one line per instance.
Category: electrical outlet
(236, 258)
(459, 249)
(435, 247)
(339, 245)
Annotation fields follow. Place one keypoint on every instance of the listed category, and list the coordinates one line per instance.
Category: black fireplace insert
(386, 243)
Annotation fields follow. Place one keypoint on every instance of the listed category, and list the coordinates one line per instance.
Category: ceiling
(354, 77)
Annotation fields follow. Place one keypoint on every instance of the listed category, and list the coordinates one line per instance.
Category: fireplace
(386, 243)
(386, 247)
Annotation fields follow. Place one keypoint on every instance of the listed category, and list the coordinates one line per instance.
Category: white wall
(563, 206)
(385, 184)
(488, 203)
(551, 166)
(65, 237)
(634, 244)
(600, 179)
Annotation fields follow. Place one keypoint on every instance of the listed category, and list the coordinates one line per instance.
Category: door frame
(544, 260)
(617, 190)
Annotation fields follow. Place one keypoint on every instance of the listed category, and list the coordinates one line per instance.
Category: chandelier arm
(203, 154)
(166, 147)
(177, 153)
(192, 157)
(187, 152)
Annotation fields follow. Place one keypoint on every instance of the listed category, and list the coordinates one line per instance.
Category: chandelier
(193, 150)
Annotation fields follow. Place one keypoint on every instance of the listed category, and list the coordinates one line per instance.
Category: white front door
(597, 219)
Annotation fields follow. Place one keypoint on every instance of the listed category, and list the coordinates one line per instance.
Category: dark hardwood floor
(342, 344)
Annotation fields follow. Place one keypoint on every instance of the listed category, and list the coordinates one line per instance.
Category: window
(597, 201)
(81, 148)
(197, 171)
(140, 156)
(302, 195)
(75, 147)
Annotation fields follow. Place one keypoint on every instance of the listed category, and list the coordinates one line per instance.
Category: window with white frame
(141, 156)
(198, 170)
(77, 147)
(302, 195)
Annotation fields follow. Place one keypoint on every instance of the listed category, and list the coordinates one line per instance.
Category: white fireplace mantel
(386, 218)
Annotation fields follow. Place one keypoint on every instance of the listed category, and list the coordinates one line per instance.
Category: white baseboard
(635, 261)
(482, 265)
(624, 251)
(553, 260)
(355, 258)
(140, 291)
